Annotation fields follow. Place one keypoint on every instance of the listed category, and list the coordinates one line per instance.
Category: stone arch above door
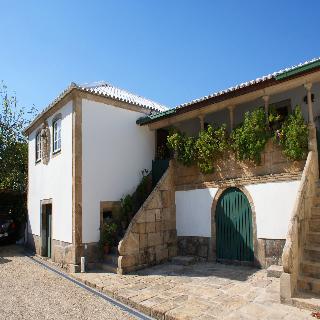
(212, 254)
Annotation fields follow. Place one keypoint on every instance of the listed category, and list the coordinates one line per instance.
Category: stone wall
(61, 252)
(194, 246)
(269, 252)
(293, 250)
(151, 237)
(230, 171)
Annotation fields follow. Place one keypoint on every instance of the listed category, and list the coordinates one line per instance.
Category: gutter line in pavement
(116, 303)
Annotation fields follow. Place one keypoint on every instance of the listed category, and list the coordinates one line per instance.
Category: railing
(299, 224)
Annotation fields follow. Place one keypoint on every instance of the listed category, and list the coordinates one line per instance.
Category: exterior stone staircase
(309, 278)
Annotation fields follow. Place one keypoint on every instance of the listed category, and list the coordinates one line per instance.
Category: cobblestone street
(199, 291)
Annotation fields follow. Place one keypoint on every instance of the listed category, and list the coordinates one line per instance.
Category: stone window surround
(56, 118)
(38, 147)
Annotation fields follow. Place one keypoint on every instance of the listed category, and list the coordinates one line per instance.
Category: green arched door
(234, 226)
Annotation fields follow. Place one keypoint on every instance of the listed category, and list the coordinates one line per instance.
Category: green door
(49, 229)
(234, 227)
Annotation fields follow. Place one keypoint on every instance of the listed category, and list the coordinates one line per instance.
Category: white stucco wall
(273, 204)
(53, 181)
(114, 151)
(193, 211)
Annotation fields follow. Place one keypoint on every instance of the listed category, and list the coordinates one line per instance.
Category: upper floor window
(56, 135)
(38, 146)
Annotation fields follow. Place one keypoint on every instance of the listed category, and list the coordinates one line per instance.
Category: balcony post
(231, 117)
(308, 87)
(201, 118)
(266, 100)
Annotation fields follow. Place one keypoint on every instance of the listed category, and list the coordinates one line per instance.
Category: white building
(85, 152)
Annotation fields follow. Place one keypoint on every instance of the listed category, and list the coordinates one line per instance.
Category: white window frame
(38, 147)
(56, 135)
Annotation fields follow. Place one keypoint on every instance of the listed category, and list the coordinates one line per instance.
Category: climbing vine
(293, 136)
(209, 146)
(247, 141)
(250, 138)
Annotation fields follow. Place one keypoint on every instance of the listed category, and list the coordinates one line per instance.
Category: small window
(38, 146)
(57, 135)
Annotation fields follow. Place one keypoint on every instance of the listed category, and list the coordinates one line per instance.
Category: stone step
(309, 284)
(307, 300)
(184, 260)
(313, 238)
(312, 253)
(314, 225)
(310, 269)
(274, 271)
(315, 212)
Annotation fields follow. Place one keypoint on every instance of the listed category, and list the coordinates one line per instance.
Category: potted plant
(108, 236)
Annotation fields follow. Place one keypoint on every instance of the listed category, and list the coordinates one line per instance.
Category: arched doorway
(234, 234)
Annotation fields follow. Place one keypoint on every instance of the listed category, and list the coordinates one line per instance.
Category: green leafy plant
(183, 146)
(108, 234)
(293, 136)
(209, 147)
(250, 138)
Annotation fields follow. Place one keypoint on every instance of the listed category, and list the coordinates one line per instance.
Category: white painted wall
(273, 204)
(53, 180)
(193, 211)
(114, 151)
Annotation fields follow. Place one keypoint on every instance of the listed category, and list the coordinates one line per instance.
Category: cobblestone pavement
(28, 291)
(200, 291)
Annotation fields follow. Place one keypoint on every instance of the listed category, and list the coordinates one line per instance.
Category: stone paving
(200, 291)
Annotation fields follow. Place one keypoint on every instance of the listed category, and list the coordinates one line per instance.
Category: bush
(108, 234)
(209, 147)
(250, 138)
(293, 136)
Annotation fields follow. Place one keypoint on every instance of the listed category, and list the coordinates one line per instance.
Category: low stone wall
(62, 253)
(194, 246)
(270, 252)
(230, 171)
(151, 237)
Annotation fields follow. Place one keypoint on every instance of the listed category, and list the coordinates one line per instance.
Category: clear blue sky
(171, 51)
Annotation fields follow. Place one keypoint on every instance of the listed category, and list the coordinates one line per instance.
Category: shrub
(293, 136)
(250, 138)
(209, 146)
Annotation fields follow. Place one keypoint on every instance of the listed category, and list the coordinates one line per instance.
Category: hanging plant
(209, 147)
(293, 136)
(250, 138)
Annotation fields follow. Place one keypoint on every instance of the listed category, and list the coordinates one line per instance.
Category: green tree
(13, 145)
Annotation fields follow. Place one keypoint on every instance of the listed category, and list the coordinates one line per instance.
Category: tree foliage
(13, 145)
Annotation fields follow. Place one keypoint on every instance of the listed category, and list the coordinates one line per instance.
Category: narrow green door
(49, 228)
(234, 227)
